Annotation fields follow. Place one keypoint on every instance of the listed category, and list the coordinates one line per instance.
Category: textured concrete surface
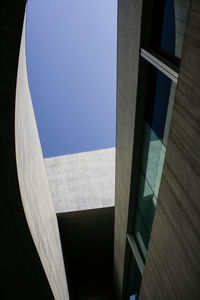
(181, 8)
(82, 180)
(172, 269)
(129, 19)
(34, 186)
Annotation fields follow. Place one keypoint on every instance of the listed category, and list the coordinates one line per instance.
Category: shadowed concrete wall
(23, 275)
(129, 23)
(34, 187)
(87, 240)
(83, 180)
(172, 269)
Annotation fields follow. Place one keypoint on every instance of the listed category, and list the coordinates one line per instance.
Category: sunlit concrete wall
(82, 180)
(34, 186)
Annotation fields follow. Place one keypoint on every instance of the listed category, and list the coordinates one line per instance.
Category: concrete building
(156, 252)
(148, 245)
(83, 180)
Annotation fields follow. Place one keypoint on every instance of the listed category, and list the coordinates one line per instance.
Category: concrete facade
(34, 186)
(172, 268)
(82, 180)
(33, 263)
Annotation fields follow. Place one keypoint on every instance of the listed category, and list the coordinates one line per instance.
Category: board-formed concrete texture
(83, 180)
(34, 186)
(172, 269)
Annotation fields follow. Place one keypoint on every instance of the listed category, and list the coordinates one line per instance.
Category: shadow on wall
(23, 274)
(87, 240)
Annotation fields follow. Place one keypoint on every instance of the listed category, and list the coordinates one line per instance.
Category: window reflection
(153, 156)
(173, 26)
(153, 153)
(167, 25)
(158, 109)
(157, 101)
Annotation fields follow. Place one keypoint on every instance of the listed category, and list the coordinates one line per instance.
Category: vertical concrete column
(129, 26)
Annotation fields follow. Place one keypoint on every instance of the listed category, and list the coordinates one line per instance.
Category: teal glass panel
(153, 155)
(144, 215)
(141, 233)
(146, 203)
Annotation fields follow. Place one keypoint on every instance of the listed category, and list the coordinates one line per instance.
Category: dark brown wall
(129, 19)
(172, 268)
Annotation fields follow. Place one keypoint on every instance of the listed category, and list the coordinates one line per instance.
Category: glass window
(159, 87)
(167, 39)
(141, 233)
(157, 117)
(153, 154)
(134, 278)
(170, 18)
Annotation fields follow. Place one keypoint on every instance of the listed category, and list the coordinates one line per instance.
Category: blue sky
(71, 62)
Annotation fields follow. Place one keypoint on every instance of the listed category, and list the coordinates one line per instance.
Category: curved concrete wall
(34, 187)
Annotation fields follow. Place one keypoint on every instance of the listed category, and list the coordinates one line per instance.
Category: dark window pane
(169, 25)
(167, 41)
(134, 277)
(162, 90)
(141, 233)
(157, 98)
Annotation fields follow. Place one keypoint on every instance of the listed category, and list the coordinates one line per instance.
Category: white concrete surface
(83, 180)
(34, 186)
